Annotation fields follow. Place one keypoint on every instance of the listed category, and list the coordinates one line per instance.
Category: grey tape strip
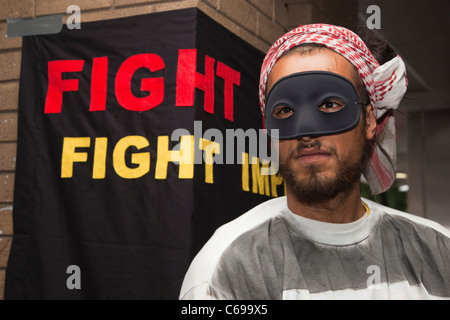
(18, 27)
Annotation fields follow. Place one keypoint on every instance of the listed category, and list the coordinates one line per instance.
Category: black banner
(129, 154)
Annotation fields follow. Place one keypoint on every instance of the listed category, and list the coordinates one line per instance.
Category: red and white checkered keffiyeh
(385, 85)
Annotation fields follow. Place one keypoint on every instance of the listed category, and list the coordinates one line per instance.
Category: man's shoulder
(257, 214)
(246, 222)
(204, 264)
(408, 218)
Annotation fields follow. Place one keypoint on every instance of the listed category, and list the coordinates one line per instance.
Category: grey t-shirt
(271, 253)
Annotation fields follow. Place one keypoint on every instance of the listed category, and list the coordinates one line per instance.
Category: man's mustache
(314, 144)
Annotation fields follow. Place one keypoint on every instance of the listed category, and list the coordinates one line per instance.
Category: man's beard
(317, 188)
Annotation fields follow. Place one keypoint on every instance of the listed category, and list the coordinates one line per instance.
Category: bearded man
(330, 95)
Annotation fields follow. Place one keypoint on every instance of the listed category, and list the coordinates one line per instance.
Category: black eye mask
(305, 94)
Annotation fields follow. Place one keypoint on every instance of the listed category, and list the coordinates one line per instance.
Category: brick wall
(259, 22)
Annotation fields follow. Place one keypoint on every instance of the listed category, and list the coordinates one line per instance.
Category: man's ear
(371, 123)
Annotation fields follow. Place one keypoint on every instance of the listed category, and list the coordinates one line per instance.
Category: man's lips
(312, 155)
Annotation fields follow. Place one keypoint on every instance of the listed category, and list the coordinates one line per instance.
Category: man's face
(321, 167)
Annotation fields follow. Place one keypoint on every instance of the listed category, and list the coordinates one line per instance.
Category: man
(332, 103)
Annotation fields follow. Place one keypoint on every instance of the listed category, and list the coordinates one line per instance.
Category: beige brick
(240, 12)
(8, 156)
(10, 65)
(176, 5)
(8, 126)
(114, 13)
(44, 7)
(254, 40)
(281, 13)
(16, 9)
(8, 43)
(233, 27)
(9, 95)
(214, 3)
(6, 220)
(268, 30)
(2, 284)
(6, 187)
(219, 18)
(265, 6)
(299, 14)
(130, 2)
(5, 248)
(305, 13)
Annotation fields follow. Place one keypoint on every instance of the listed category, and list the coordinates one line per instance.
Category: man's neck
(346, 207)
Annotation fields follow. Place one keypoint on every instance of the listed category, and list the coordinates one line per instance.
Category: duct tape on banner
(19, 27)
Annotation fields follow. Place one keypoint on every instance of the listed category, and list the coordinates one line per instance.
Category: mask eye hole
(332, 105)
(282, 112)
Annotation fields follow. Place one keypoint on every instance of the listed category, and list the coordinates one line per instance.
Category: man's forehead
(317, 60)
